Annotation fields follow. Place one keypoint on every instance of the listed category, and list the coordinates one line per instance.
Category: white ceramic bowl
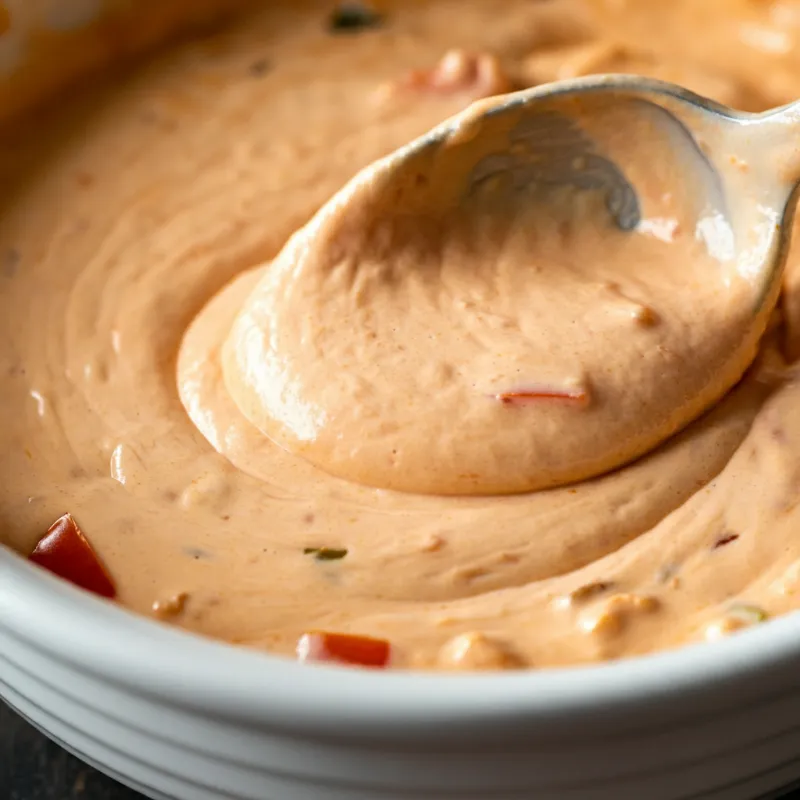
(177, 716)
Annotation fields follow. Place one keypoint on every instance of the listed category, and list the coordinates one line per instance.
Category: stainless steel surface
(541, 137)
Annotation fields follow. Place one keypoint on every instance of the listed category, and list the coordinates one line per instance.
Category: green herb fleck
(353, 17)
(325, 553)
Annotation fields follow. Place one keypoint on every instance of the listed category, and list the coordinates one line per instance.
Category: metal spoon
(747, 165)
(620, 141)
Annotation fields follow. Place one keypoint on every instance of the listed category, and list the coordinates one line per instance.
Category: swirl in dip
(139, 241)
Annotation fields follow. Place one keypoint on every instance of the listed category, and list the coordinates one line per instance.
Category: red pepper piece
(576, 396)
(344, 648)
(66, 552)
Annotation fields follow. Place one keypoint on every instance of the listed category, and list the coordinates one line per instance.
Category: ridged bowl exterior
(178, 716)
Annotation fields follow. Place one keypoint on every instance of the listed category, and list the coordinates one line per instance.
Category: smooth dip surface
(138, 240)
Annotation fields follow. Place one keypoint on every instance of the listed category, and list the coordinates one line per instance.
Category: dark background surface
(34, 768)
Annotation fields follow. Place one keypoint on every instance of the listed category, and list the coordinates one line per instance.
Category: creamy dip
(139, 220)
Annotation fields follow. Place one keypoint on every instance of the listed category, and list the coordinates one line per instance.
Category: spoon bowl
(743, 168)
(540, 290)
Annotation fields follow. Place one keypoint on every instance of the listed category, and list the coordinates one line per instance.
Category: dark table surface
(34, 768)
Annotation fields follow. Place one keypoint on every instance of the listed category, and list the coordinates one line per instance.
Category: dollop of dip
(327, 449)
(495, 327)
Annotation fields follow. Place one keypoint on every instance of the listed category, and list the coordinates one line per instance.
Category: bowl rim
(117, 646)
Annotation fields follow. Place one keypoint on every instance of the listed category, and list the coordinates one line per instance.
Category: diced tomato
(344, 648)
(577, 396)
(66, 552)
